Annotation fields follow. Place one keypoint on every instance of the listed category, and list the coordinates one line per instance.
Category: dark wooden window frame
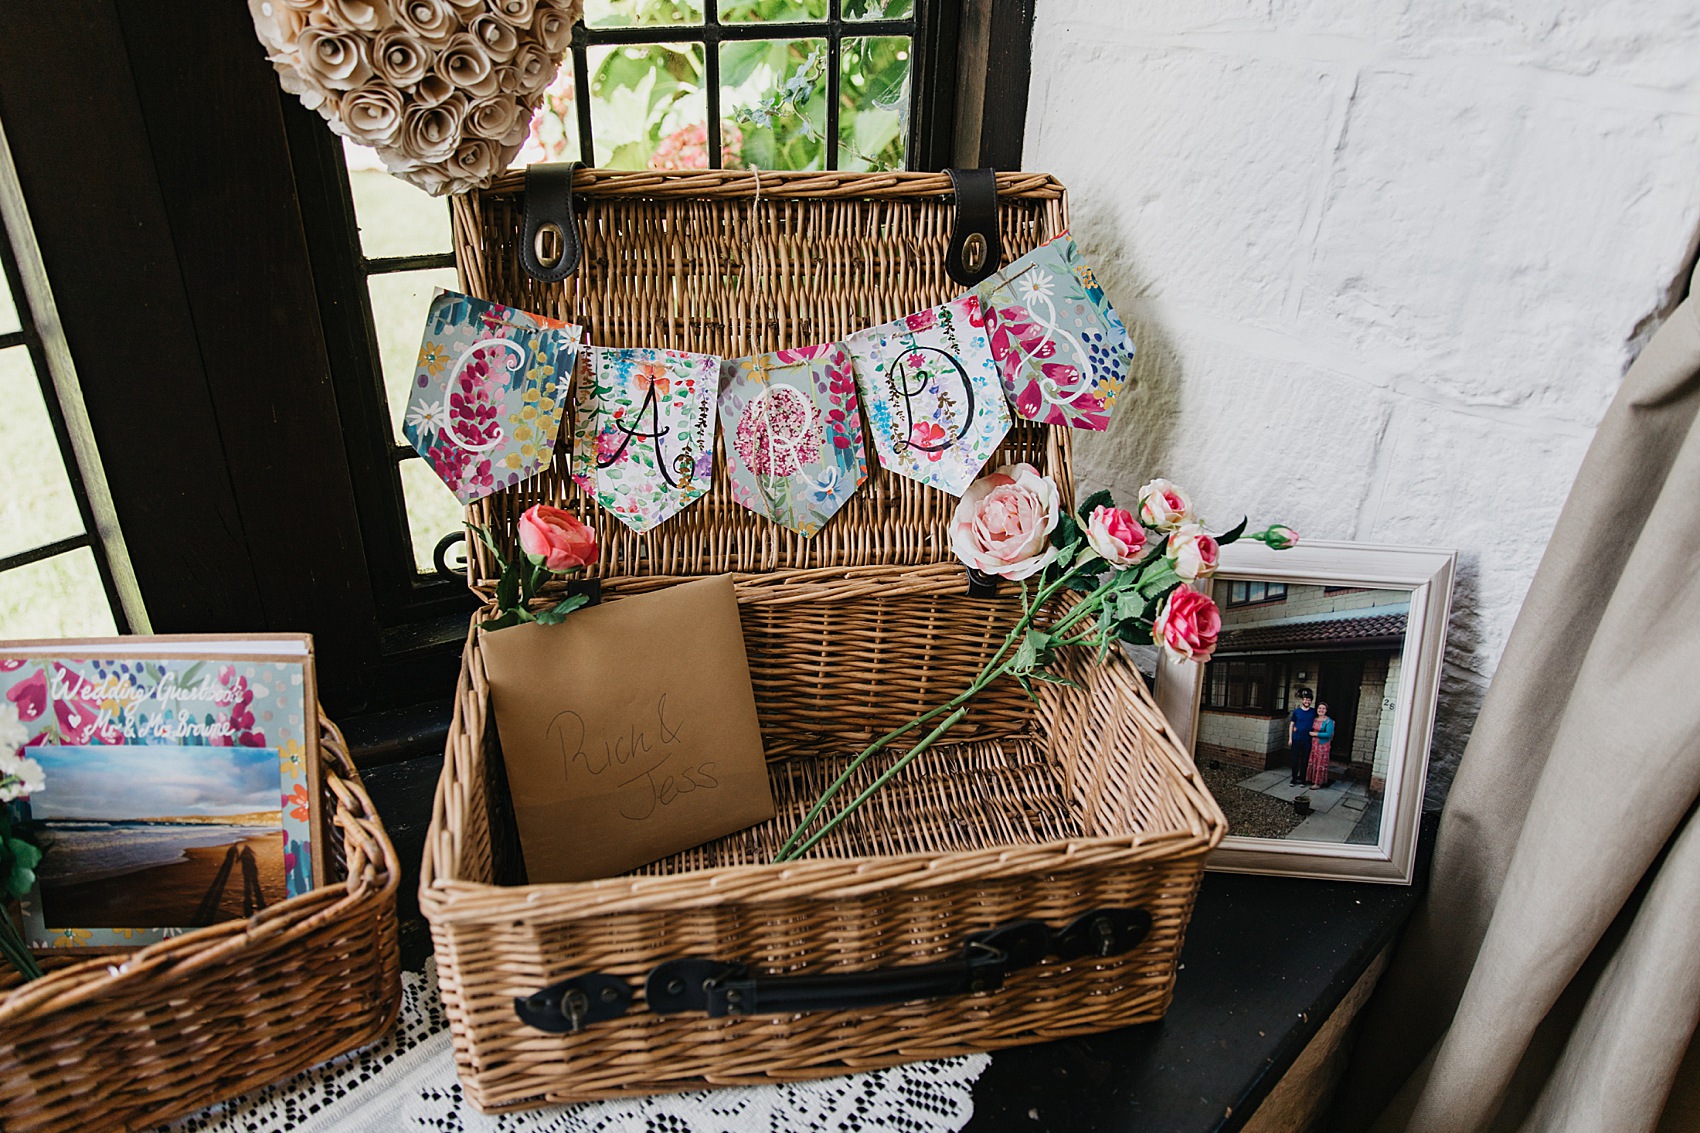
(208, 307)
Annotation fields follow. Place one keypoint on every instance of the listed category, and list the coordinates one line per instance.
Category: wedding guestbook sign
(793, 434)
(931, 390)
(179, 782)
(628, 731)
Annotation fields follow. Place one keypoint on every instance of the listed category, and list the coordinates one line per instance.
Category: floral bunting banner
(931, 391)
(1061, 349)
(793, 434)
(643, 435)
(485, 407)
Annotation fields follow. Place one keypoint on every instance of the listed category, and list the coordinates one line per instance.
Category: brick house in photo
(1343, 642)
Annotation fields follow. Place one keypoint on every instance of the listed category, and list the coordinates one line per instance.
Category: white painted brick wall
(1385, 261)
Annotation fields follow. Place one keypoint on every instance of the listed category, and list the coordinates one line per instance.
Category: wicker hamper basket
(127, 1042)
(1082, 804)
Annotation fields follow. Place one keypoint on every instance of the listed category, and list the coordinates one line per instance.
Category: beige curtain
(1551, 978)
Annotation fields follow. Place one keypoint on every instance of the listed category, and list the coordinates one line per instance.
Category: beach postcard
(177, 789)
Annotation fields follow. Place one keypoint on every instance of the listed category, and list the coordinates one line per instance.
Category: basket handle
(727, 987)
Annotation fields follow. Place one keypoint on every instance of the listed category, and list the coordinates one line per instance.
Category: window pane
(878, 9)
(772, 11)
(626, 13)
(1277, 590)
(554, 128)
(773, 92)
(399, 304)
(1255, 591)
(648, 109)
(395, 218)
(1237, 592)
(432, 511)
(37, 506)
(873, 115)
(57, 597)
(9, 323)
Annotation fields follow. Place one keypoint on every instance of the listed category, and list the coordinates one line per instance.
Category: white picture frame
(1427, 574)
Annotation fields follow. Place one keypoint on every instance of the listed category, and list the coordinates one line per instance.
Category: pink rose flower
(1187, 626)
(1115, 535)
(1193, 554)
(557, 539)
(1004, 521)
(1164, 506)
(1278, 537)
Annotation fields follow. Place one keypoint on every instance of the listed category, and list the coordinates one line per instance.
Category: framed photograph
(1311, 723)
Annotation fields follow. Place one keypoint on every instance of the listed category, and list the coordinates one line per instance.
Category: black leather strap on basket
(550, 247)
(726, 987)
(975, 250)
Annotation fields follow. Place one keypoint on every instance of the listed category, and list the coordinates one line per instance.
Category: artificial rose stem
(885, 777)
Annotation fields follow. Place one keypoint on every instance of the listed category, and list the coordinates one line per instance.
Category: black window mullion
(834, 56)
(15, 338)
(387, 265)
(30, 338)
(711, 76)
(581, 93)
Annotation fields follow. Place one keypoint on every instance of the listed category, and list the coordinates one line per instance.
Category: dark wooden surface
(1266, 960)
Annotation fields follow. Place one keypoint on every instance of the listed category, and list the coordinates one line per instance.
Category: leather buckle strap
(550, 247)
(975, 250)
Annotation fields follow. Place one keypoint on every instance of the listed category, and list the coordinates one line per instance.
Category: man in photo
(1299, 724)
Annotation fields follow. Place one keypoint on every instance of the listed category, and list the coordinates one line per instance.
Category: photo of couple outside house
(1297, 711)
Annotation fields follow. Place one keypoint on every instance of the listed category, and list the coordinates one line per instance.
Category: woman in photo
(1321, 744)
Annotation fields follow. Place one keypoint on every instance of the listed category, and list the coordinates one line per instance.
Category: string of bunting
(937, 387)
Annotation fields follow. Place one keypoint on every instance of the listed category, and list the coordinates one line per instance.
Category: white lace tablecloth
(407, 1082)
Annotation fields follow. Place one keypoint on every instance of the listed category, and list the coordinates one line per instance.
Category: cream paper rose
(278, 25)
(359, 15)
(334, 59)
(431, 20)
(536, 68)
(498, 39)
(372, 114)
(466, 64)
(515, 12)
(432, 133)
(554, 31)
(476, 160)
(499, 118)
(432, 90)
(400, 57)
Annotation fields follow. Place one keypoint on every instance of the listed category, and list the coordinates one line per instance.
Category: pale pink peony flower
(1004, 521)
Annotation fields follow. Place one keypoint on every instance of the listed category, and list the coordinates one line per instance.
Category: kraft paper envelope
(629, 730)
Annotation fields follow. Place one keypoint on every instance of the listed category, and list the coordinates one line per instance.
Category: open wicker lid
(734, 262)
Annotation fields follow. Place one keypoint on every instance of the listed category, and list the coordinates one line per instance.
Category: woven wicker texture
(1082, 801)
(130, 1041)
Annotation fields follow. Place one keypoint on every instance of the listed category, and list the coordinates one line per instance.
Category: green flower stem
(932, 737)
(17, 953)
(991, 670)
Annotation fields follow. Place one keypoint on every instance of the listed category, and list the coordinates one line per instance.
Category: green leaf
(557, 612)
(23, 852)
(508, 618)
(489, 541)
(1231, 536)
(1161, 580)
(1052, 678)
(1135, 633)
(1027, 687)
(507, 590)
(1067, 531)
(20, 881)
(1098, 499)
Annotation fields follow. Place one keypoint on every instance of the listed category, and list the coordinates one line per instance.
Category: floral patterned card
(931, 392)
(793, 434)
(485, 407)
(174, 786)
(1061, 349)
(643, 431)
